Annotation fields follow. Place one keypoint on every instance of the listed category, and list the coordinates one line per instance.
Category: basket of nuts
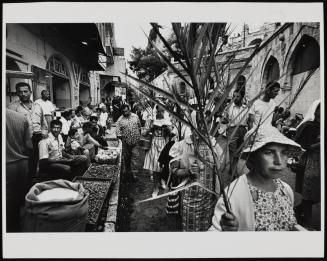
(109, 156)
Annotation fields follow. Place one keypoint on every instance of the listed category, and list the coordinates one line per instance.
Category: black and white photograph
(128, 125)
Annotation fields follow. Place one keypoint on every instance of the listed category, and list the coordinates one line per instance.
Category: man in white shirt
(261, 112)
(236, 116)
(47, 106)
(54, 162)
(103, 117)
(66, 123)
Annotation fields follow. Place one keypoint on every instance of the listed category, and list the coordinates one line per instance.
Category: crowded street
(199, 129)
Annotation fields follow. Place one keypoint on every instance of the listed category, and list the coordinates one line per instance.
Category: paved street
(144, 217)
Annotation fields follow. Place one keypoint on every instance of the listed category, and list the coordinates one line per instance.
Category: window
(271, 71)
(306, 55)
(240, 84)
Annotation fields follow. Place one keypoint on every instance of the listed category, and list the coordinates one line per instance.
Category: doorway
(61, 92)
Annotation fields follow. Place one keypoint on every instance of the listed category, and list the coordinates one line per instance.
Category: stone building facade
(56, 57)
(290, 54)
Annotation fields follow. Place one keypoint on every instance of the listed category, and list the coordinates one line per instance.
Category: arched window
(255, 41)
(306, 55)
(271, 71)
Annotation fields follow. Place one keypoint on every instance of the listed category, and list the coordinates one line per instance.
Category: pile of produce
(98, 191)
(108, 156)
(109, 172)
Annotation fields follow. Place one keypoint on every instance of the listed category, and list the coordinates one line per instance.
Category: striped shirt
(18, 136)
(35, 116)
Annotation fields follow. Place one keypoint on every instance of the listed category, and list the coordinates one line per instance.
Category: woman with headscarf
(259, 200)
(308, 136)
(158, 142)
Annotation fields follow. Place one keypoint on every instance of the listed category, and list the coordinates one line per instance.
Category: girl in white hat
(259, 200)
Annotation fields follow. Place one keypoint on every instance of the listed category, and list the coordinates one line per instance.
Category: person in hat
(88, 110)
(158, 142)
(259, 200)
(193, 162)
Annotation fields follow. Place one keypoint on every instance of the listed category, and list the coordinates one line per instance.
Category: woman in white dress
(159, 140)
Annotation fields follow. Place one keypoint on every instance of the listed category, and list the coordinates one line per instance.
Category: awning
(83, 38)
(19, 74)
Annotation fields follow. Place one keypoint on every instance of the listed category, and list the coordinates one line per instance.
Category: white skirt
(151, 157)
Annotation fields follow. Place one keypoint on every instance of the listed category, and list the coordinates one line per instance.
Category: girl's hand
(229, 222)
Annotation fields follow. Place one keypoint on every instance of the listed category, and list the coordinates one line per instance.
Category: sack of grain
(56, 206)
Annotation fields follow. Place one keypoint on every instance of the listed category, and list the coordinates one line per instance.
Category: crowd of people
(45, 143)
(262, 134)
(176, 156)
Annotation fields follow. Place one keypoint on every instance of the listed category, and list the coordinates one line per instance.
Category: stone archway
(304, 59)
(271, 71)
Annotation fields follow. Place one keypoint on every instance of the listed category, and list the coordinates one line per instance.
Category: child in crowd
(73, 145)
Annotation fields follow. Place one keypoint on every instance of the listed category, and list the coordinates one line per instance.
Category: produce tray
(112, 142)
(102, 171)
(98, 190)
(112, 161)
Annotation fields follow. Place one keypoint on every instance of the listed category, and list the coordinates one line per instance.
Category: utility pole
(244, 35)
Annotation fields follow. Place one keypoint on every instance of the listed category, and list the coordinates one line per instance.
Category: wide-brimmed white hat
(256, 138)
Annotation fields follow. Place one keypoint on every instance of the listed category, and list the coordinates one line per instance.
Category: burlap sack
(55, 215)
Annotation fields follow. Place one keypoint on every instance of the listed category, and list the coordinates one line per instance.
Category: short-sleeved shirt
(237, 115)
(129, 128)
(35, 115)
(262, 111)
(47, 106)
(103, 119)
(65, 125)
(51, 147)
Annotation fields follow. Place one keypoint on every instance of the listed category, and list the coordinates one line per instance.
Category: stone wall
(35, 51)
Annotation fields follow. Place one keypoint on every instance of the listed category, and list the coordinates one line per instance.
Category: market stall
(101, 180)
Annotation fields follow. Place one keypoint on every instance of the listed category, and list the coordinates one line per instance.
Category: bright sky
(131, 34)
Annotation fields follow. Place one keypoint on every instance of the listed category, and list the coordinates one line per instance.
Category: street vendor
(98, 132)
(54, 162)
